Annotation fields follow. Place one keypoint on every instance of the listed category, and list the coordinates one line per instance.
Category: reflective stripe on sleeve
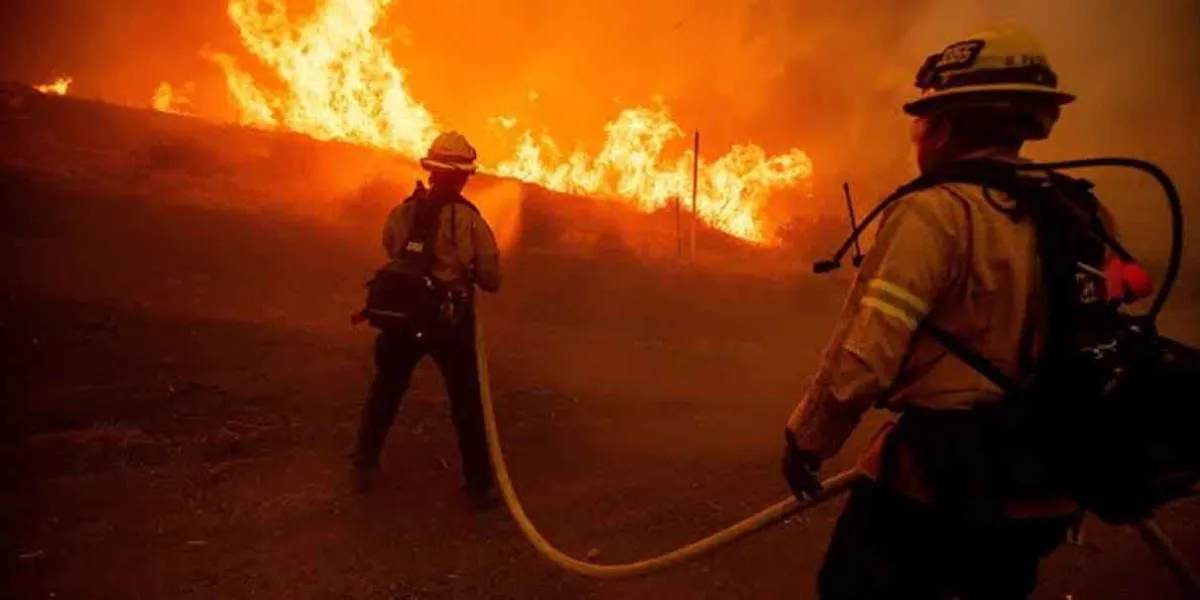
(891, 310)
(912, 300)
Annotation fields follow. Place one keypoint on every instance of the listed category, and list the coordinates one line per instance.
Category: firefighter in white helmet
(422, 301)
(951, 254)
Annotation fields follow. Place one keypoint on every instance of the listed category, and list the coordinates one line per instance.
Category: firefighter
(440, 248)
(954, 256)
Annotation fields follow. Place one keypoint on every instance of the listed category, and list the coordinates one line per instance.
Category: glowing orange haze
(340, 81)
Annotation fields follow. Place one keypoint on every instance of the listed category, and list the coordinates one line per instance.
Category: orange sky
(824, 77)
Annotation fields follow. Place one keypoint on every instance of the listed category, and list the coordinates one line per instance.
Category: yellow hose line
(771, 515)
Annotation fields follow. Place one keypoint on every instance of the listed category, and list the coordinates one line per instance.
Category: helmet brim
(438, 165)
(926, 104)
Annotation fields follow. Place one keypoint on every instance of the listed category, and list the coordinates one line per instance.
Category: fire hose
(1159, 544)
(771, 515)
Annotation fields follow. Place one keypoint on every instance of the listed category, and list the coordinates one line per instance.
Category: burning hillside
(58, 87)
(331, 76)
(341, 187)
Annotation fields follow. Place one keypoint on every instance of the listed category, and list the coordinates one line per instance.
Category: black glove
(800, 467)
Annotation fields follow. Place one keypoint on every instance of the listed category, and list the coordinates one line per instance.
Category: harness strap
(421, 243)
(990, 176)
(418, 246)
(1057, 195)
(972, 358)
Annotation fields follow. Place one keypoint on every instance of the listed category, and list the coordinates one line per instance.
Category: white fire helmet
(450, 151)
(1002, 68)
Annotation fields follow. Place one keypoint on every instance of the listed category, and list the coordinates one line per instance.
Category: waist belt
(974, 461)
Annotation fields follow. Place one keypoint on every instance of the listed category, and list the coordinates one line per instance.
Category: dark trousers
(885, 545)
(396, 356)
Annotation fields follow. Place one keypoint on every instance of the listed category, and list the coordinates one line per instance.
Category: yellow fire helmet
(1004, 61)
(450, 151)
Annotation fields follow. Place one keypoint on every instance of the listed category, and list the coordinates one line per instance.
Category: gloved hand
(800, 468)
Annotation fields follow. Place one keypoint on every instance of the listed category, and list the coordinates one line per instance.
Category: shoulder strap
(1004, 176)
(988, 173)
(458, 199)
(972, 358)
(1007, 177)
(418, 247)
(1034, 197)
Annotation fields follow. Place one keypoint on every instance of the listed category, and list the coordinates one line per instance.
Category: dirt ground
(184, 385)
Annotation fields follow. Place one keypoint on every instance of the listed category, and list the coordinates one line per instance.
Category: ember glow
(58, 87)
(334, 78)
(167, 99)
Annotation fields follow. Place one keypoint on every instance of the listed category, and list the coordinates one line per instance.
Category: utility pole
(695, 189)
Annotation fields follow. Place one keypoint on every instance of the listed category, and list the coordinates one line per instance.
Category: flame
(340, 79)
(166, 99)
(335, 79)
(730, 190)
(58, 87)
(503, 122)
(257, 109)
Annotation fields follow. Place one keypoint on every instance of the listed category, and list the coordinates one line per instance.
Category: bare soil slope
(185, 387)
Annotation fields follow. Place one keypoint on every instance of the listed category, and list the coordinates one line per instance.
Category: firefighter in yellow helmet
(422, 301)
(952, 255)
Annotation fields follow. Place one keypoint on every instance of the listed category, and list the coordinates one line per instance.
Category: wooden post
(695, 188)
(678, 228)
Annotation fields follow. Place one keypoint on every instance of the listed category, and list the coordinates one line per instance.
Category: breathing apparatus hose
(1166, 552)
(765, 518)
(1168, 187)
